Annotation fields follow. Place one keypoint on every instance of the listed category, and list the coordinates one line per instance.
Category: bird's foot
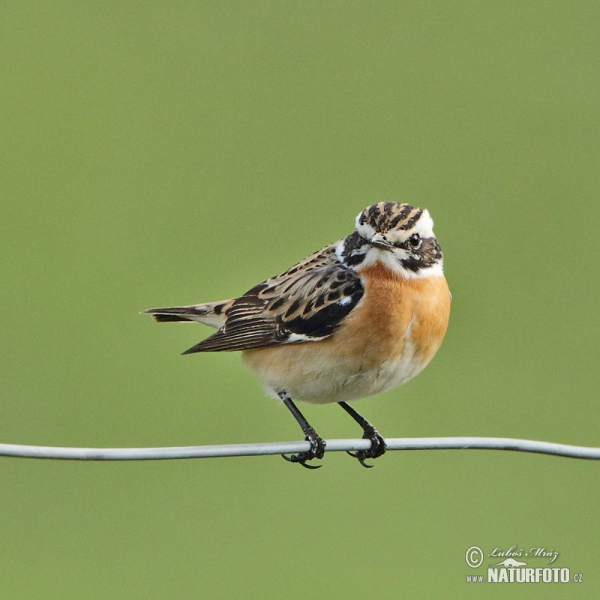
(317, 450)
(378, 447)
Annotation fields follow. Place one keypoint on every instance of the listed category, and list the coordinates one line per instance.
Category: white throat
(391, 260)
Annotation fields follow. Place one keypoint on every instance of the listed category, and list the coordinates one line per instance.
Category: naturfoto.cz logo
(514, 570)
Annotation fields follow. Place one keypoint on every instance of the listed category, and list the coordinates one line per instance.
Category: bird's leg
(378, 445)
(317, 444)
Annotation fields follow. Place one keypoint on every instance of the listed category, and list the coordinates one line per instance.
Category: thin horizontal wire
(442, 443)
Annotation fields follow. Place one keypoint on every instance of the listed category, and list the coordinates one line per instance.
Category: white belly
(321, 380)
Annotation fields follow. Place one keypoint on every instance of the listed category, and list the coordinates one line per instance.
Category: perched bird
(359, 317)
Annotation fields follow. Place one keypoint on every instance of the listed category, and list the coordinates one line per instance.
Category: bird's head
(398, 235)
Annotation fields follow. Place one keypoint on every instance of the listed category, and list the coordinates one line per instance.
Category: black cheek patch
(412, 264)
(353, 244)
(427, 255)
(352, 261)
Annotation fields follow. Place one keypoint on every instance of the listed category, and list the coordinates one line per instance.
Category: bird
(358, 317)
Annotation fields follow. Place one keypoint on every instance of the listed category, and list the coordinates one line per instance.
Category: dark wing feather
(306, 303)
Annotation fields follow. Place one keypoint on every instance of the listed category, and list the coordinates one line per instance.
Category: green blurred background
(157, 153)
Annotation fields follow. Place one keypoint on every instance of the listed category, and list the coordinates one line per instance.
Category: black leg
(378, 446)
(317, 444)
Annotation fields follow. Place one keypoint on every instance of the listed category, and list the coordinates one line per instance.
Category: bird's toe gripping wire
(317, 444)
(378, 445)
(317, 450)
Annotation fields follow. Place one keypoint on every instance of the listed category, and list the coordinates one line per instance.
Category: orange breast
(396, 309)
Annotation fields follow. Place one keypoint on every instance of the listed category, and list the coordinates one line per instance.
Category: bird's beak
(379, 242)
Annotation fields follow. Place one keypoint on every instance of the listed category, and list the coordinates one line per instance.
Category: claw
(317, 450)
(294, 459)
(361, 459)
(378, 447)
(303, 463)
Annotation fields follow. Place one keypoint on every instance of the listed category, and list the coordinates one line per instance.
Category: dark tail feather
(160, 318)
(175, 313)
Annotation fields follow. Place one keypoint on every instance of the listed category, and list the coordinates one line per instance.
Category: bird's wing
(306, 303)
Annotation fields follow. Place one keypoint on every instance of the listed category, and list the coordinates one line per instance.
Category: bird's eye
(415, 240)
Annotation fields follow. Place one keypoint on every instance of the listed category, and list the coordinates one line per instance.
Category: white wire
(457, 443)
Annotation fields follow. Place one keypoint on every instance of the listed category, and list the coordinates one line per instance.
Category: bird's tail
(209, 313)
